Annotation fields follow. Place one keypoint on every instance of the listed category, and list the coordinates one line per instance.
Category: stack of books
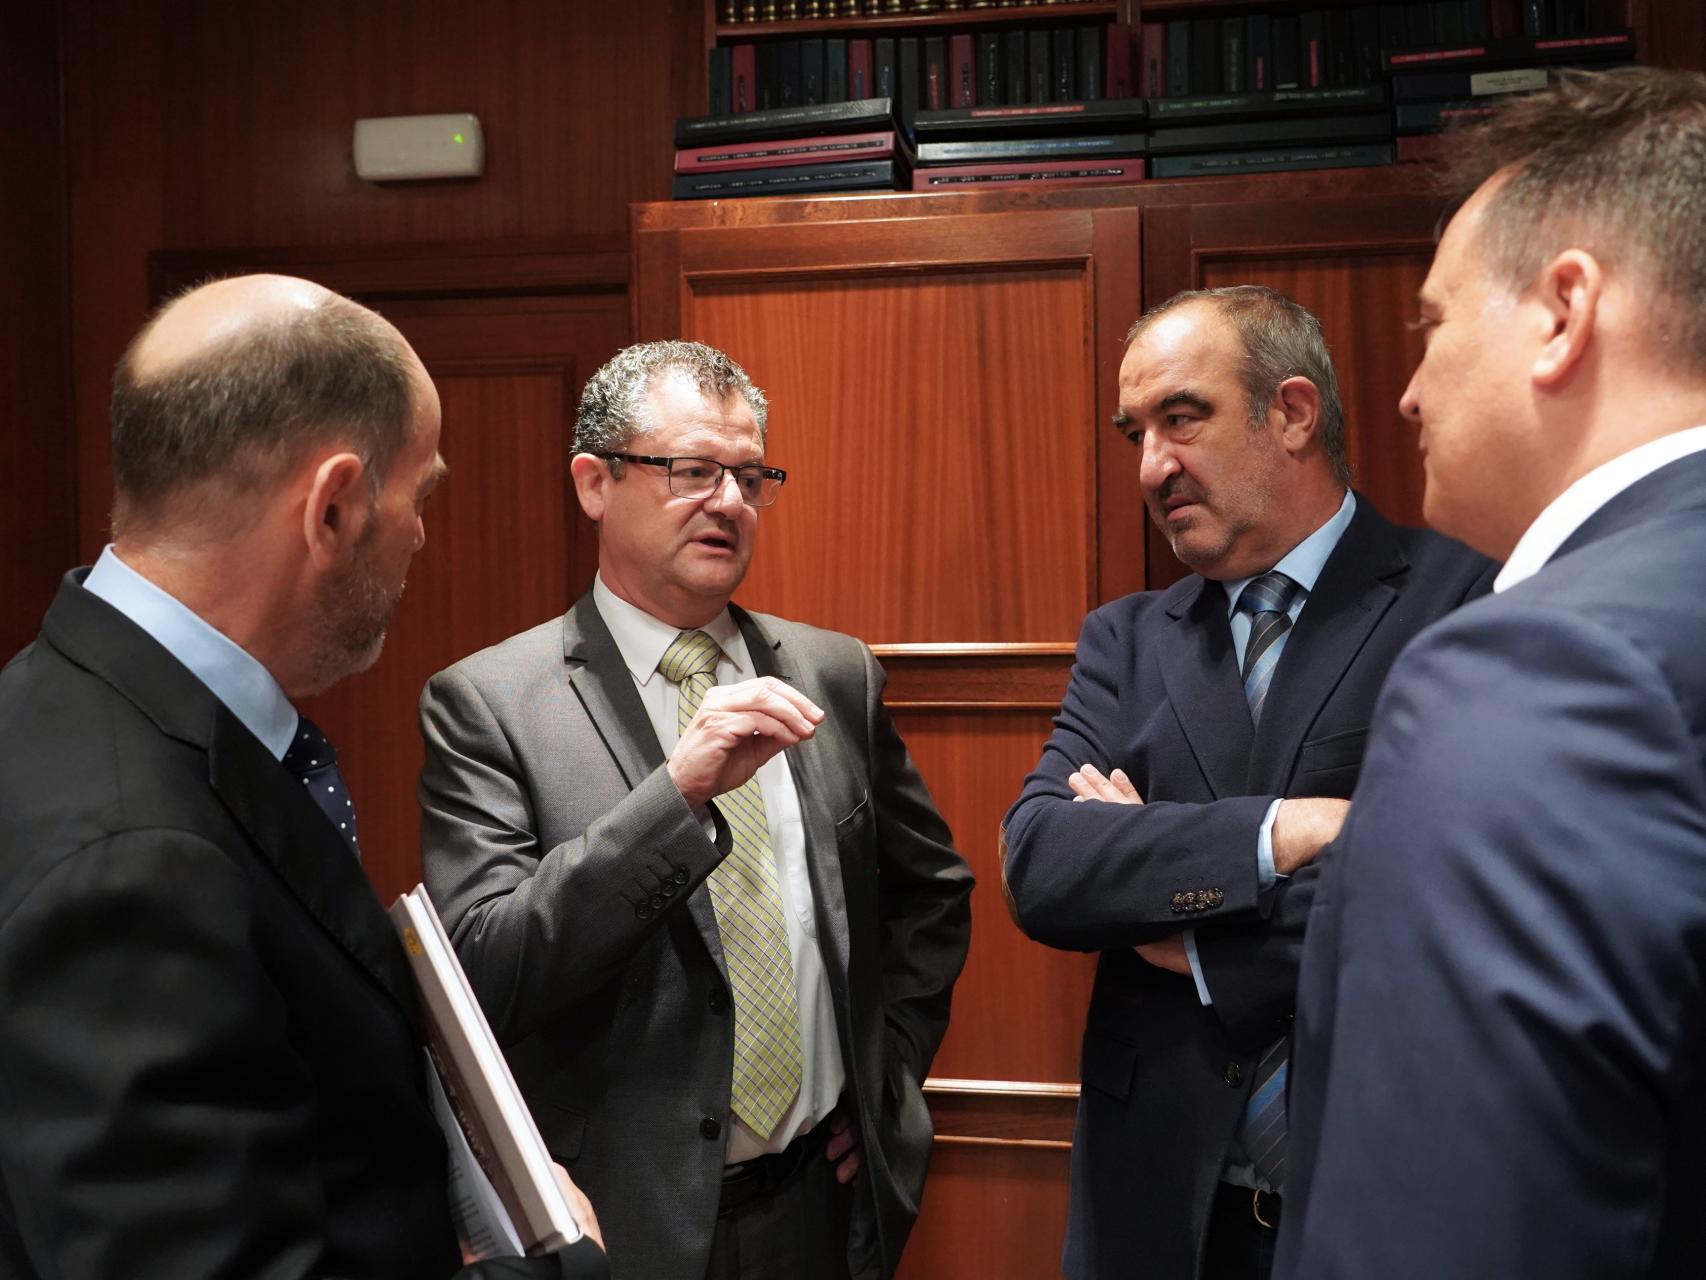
(1058, 144)
(1457, 83)
(1270, 130)
(826, 146)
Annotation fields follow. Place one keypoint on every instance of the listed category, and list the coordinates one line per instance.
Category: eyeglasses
(701, 477)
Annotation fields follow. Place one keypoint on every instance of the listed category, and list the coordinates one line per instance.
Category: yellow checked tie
(748, 902)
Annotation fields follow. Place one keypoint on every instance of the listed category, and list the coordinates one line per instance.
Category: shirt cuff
(1190, 937)
(1265, 873)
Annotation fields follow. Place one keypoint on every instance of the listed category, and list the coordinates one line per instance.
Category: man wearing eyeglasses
(656, 827)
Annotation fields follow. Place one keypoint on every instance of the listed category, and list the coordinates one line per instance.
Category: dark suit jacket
(209, 1055)
(569, 871)
(1500, 1066)
(1156, 692)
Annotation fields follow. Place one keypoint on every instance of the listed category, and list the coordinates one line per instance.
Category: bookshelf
(1005, 15)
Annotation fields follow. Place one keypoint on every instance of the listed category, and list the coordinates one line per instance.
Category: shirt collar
(1571, 509)
(234, 675)
(1304, 562)
(641, 638)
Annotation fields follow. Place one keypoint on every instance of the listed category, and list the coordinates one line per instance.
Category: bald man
(210, 1056)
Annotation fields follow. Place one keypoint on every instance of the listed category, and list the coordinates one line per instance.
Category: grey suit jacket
(569, 870)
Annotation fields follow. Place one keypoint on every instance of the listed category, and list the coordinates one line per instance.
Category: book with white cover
(492, 1124)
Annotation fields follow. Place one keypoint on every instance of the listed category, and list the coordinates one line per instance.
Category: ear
(338, 508)
(592, 482)
(1568, 291)
(1297, 403)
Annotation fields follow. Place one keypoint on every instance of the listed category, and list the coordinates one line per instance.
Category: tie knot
(691, 653)
(309, 749)
(1273, 592)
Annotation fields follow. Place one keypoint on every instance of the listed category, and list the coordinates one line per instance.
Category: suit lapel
(286, 827)
(605, 686)
(309, 856)
(806, 766)
(1200, 669)
(1357, 586)
(1673, 487)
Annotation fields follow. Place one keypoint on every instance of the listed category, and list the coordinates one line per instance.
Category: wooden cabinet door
(940, 390)
(1356, 261)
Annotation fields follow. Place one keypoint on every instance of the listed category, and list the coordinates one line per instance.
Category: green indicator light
(456, 137)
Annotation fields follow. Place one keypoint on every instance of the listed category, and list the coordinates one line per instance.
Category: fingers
(766, 696)
(579, 1204)
(1089, 783)
(842, 1150)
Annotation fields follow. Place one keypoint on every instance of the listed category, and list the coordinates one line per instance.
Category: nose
(1158, 465)
(726, 496)
(1410, 403)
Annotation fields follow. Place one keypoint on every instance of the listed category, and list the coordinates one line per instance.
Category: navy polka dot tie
(312, 759)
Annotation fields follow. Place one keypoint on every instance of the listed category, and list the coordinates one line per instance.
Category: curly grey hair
(614, 408)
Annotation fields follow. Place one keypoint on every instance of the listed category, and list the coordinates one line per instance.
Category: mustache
(1175, 486)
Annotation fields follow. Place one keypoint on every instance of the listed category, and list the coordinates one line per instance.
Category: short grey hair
(1281, 339)
(1613, 162)
(614, 408)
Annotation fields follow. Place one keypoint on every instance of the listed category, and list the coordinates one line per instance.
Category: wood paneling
(974, 764)
(576, 99)
(37, 525)
(950, 469)
(990, 1210)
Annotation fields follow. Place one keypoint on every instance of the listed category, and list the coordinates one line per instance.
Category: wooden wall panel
(990, 1210)
(975, 763)
(37, 524)
(932, 495)
(576, 99)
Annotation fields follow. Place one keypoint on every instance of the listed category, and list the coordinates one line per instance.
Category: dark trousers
(783, 1218)
(1240, 1247)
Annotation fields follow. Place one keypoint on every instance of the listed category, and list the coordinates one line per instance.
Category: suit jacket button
(681, 876)
(668, 888)
(719, 1002)
(642, 912)
(1233, 1074)
(1215, 897)
(709, 1129)
(657, 902)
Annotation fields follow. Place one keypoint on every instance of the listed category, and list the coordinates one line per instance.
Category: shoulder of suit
(802, 636)
(542, 643)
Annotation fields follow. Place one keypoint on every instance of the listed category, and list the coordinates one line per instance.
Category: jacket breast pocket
(1329, 766)
(853, 823)
(562, 1126)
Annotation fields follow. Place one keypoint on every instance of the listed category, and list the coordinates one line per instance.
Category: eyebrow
(1190, 399)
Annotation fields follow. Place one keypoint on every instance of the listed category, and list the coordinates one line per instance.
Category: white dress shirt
(1571, 509)
(642, 640)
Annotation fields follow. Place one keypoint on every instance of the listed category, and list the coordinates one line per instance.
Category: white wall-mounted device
(399, 148)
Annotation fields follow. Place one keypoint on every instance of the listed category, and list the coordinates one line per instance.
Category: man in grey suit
(1500, 1064)
(693, 875)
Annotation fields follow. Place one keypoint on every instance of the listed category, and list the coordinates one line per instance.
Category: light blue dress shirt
(1303, 565)
(236, 678)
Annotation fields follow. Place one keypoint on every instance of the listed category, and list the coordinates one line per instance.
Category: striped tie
(747, 898)
(1261, 1132)
(1267, 600)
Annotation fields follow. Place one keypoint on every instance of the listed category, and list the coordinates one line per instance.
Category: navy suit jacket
(1499, 1055)
(1156, 692)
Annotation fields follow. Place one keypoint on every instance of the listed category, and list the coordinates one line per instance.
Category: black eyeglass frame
(774, 474)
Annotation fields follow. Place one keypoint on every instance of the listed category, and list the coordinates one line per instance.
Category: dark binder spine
(1312, 49)
(989, 69)
(908, 81)
(1205, 56)
(1088, 42)
(812, 72)
(720, 81)
(1287, 63)
(1015, 70)
(1152, 67)
(883, 78)
(1258, 52)
(1365, 32)
(1061, 66)
(933, 89)
(769, 80)
(1038, 79)
(790, 75)
(1232, 57)
(1118, 80)
(743, 79)
(835, 70)
(1179, 83)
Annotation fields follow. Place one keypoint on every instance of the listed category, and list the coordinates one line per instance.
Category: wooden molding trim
(1003, 1113)
(975, 677)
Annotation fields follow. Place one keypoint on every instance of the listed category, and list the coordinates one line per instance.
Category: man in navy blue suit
(1203, 755)
(1500, 1058)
